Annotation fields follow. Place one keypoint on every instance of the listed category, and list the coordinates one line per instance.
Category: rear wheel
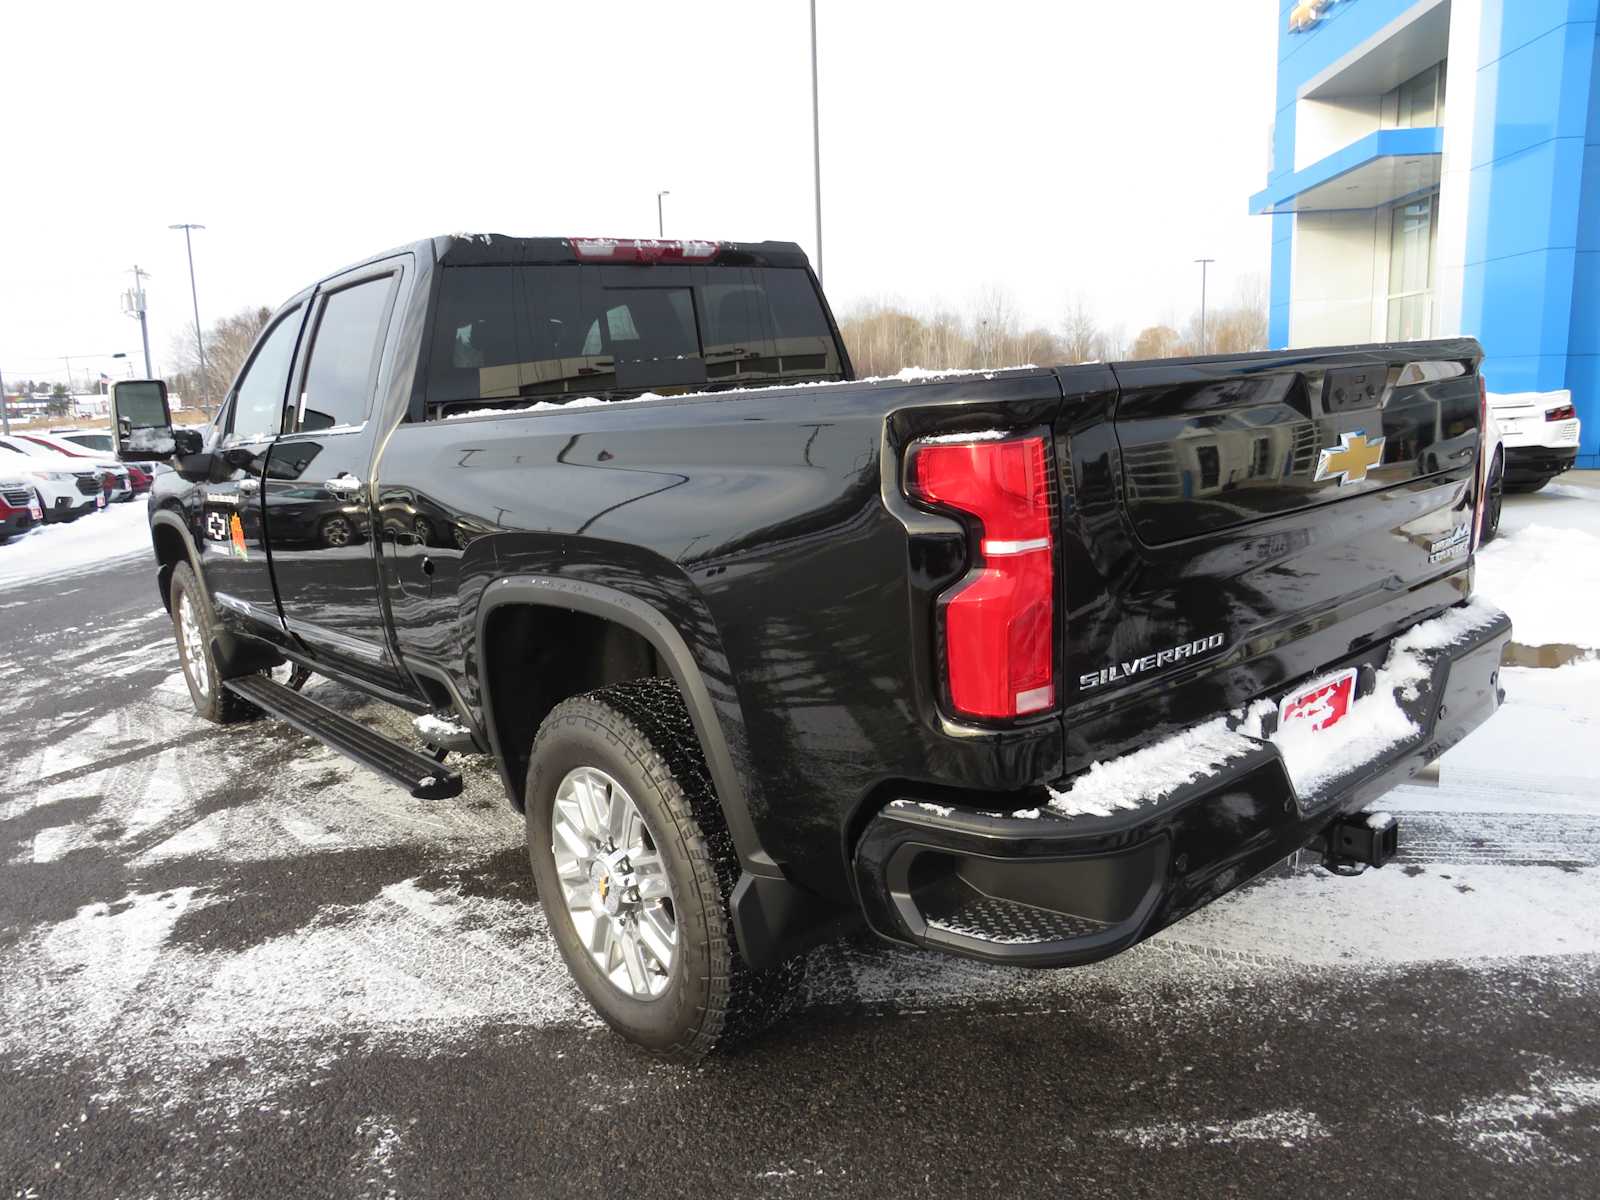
(337, 531)
(634, 867)
(1527, 486)
(191, 622)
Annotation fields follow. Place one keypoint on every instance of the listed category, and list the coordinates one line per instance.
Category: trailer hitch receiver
(1360, 840)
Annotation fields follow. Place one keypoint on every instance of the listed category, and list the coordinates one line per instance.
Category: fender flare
(165, 516)
(607, 603)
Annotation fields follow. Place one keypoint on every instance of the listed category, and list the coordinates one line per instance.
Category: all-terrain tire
(640, 734)
(197, 656)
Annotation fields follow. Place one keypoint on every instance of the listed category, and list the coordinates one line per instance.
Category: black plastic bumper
(1051, 890)
(1529, 464)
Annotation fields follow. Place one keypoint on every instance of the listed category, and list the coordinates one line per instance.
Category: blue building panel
(1530, 283)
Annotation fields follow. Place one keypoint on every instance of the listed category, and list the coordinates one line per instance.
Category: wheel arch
(169, 534)
(652, 628)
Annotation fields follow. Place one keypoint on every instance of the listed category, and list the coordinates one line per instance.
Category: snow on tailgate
(1314, 757)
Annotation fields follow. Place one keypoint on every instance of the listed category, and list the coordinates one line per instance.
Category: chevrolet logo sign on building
(1351, 459)
(1305, 14)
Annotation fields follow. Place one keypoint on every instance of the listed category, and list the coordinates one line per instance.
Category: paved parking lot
(236, 965)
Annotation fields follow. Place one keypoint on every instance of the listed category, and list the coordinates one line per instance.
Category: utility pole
(5, 409)
(133, 305)
(199, 341)
(1204, 263)
(661, 221)
(816, 137)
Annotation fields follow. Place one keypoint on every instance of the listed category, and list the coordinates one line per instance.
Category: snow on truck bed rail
(904, 375)
(1314, 758)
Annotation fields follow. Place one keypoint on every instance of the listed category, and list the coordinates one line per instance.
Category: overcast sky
(1054, 148)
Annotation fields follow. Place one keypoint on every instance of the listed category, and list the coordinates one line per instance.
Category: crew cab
(1019, 665)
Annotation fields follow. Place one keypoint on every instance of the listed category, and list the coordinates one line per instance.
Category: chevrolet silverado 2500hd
(1020, 665)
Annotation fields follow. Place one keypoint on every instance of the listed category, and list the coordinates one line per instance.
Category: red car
(19, 511)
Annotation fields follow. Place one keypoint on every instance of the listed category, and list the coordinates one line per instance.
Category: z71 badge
(1150, 662)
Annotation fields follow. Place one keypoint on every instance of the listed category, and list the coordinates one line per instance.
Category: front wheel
(192, 624)
(634, 868)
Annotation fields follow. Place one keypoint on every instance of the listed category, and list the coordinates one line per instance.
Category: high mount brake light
(1565, 413)
(643, 250)
(999, 621)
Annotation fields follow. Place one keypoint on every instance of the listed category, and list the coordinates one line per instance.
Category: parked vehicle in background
(1019, 665)
(96, 440)
(64, 487)
(1537, 437)
(121, 481)
(19, 508)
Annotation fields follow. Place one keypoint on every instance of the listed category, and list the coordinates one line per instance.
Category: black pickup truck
(1020, 665)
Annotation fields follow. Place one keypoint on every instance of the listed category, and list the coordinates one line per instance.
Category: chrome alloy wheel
(614, 882)
(193, 642)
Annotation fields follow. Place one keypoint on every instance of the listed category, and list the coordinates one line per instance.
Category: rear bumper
(1050, 890)
(1528, 464)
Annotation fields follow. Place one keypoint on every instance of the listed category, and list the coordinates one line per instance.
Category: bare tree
(1157, 341)
(1080, 333)
(228, 343)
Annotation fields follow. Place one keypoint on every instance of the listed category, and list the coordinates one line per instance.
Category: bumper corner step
(424, 777)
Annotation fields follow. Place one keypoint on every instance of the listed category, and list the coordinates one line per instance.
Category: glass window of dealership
(1435, 171)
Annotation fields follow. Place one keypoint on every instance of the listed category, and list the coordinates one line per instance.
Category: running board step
(424, 777)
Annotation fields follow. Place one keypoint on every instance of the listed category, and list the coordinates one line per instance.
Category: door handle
(249, 487)
(343, 485)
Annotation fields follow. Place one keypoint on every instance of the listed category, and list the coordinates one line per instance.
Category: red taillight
(1565, 413)
(643, 250)
(999, 622)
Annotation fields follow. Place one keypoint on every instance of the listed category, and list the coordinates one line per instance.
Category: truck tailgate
(1230, 526)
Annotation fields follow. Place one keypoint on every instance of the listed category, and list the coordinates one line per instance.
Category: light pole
(661, 221)
(133, 305)
(816, 137)
(5, 409)
(1204, 263)
(194, 296)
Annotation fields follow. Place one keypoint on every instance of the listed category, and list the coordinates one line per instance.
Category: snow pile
(1542, 576)
(1153, 773)
(89, 542)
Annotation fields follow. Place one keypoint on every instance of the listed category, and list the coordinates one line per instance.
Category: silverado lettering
(762, 651)
(1160, 658)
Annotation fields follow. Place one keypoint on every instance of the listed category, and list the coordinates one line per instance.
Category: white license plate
(99, 499)
(1321, 704)
(35, 511)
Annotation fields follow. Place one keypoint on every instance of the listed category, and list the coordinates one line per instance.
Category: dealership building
(1435, 171)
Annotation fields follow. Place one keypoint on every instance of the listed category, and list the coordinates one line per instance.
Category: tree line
(884, 337)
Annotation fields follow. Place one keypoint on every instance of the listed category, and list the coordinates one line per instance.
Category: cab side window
(258, 398)
(342, 372)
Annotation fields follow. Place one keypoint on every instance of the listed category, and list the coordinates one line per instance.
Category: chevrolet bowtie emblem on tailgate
(1351, 459)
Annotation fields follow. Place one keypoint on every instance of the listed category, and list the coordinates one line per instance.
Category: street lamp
(816, 137)
(133, 304)
(1204, 263)
(194, 297)
(661, 222)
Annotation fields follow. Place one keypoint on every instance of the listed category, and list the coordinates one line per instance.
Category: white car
(1532, 438)
(66, 488)
(123, 484)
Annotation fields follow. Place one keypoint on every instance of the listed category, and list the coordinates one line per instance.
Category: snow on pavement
(1553, 534)
(94, 539)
